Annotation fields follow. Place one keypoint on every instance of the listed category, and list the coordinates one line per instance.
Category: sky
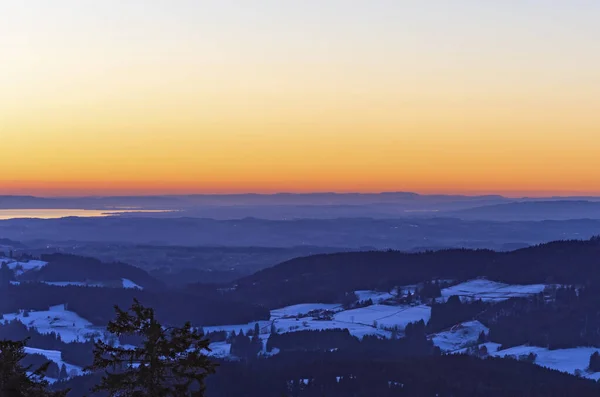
(151, 96)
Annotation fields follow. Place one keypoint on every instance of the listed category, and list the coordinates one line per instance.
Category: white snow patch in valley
(376, 297)
(493, 291)
(355, 329)
(130, 284)
(564, 360)
(72, 283)
(302, 309)
(25, 266)
(385, 316)
(263, 325)
(56, 356)
(69, 325)
(220, 349)
(459, 336)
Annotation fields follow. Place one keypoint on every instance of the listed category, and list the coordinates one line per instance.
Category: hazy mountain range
(328, 206)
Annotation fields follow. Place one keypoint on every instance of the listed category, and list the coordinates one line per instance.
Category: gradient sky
(149, 96)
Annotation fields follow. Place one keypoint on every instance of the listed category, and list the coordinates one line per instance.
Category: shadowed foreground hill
(325, 278)
(453, 375)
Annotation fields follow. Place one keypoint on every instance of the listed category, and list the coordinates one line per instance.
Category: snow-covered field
(358, 330)
(24, 266)
(56, 356)
(460, 336)
(125, 283)
(376, 297)
(302, 309)
(130, 284)
(72, 283)
(264, 326)
(564, 360)
(491, 291)
(385, 316)
(69, 325)
(220, 349)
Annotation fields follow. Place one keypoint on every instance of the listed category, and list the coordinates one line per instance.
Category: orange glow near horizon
(115, 98)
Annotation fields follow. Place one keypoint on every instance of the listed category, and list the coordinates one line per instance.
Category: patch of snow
(56, 356)
(355, 329)
(491, 291)
(491, 347)
(264, 326)
(564, 360)
(25, 266)
(130, 284)
(385, 316)
(72, 283)
(220, 349)
(376, 297)
(302, 309)
(460, 336)
(69, 325)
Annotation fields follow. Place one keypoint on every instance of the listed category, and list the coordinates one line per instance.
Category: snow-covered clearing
(220, 349)
(303, 309)
(491, 291)
(23, 266)
(69, 325)
(130, 284)
(460, 336)
(264, 326)
(376, 297)
(564, 360)
(355, 329)
(72, 283)
(385, 316)
(56, 356)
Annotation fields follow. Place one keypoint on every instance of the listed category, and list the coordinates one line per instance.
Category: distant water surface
(62, 213)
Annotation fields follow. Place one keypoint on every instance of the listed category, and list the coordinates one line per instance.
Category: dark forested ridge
(310, 374)
(325, 278)
(63, 267)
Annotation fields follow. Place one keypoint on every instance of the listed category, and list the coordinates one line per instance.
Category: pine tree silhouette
(170, 362)
(19, 381)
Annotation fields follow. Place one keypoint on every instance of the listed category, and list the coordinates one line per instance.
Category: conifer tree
(170, 362)
(19, 381)
(63, 372)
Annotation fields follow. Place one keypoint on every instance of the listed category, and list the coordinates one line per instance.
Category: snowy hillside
(385, 316)
(459, 336)
(491, 291)
(22, 266)
(573, 361)
(69, 325)
(56, 357)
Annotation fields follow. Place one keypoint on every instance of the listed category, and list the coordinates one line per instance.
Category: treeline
(327, 278)
(569, 317)
(77, 353)
(452, 312)
(206, 307)
(64, 267)
(414, 343)
(314, 374)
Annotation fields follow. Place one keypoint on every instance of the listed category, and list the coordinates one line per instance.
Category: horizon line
(508, 195)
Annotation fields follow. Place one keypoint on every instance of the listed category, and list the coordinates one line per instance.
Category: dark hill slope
(327, 277)
(62, 267)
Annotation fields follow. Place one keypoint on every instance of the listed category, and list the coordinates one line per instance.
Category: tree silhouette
(170, 362)
(19, 381)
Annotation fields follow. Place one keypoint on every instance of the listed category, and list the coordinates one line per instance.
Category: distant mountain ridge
(326, 278)
(282, 206)
(187, 201)
(534, 210)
